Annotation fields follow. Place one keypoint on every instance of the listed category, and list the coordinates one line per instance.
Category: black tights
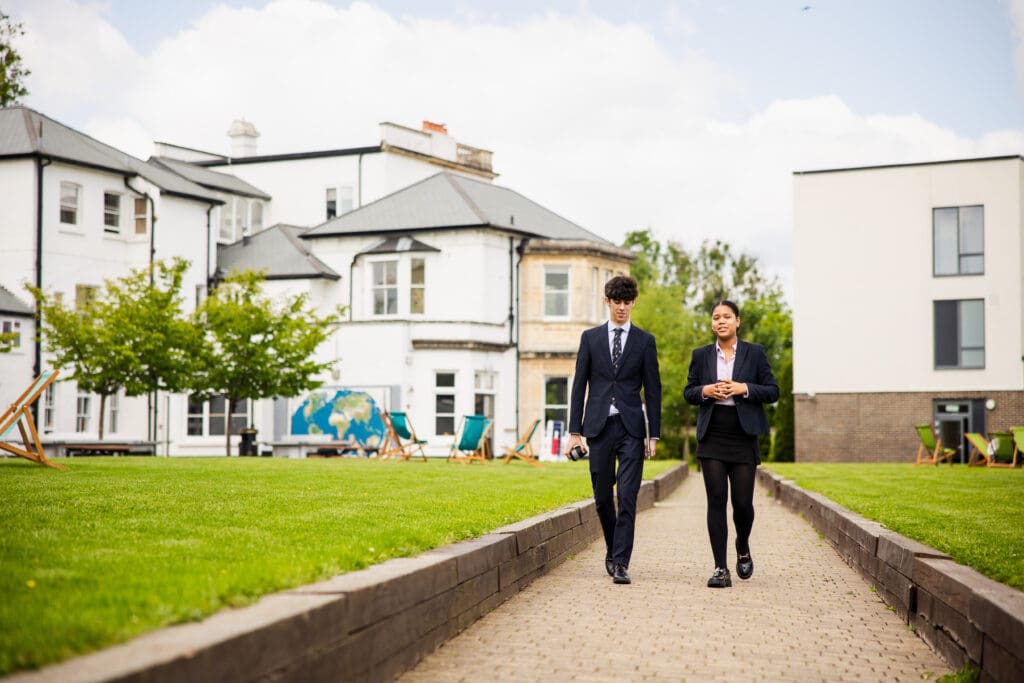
(741, 478)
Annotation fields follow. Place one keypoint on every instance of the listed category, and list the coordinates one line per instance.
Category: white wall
(863, 282)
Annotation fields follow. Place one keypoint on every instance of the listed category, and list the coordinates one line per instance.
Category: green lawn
(114, 547)
(973, 514)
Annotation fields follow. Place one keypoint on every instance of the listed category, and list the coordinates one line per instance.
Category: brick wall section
(962, 615)
(879, 427)
(369, 625)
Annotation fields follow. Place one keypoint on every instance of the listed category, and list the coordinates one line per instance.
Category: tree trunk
(103, 410)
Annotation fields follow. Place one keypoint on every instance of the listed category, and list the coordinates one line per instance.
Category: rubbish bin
(247, 446)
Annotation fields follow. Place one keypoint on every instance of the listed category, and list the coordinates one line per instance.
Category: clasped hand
(724, 388)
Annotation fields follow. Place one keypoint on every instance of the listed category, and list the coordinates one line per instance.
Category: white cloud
(597, 121)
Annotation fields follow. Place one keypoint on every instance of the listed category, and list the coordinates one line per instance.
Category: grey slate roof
(12, 305)
(25, 132)
(396, 245)
(213, 180)
(278, 252)
(446, 200)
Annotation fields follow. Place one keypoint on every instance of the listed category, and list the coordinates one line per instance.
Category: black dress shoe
(609, 566)
(744, 566)
(620, 575)
(720, 579)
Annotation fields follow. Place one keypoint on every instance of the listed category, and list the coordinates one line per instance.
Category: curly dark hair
(621, 288)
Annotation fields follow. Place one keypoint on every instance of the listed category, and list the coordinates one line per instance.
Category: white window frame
(83, 412)
(255, 209)
(556, 406)
(74, 207)
(239, 418)
(444, 390)
(143, 216)
(384, 287)
(114, 213)
(114, 412)
(549, 292)
(9, 325)
(420, 287)
(49, 406)
(227, 221)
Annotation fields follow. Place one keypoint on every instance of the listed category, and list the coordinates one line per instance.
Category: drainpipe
(37, 368)
(208, 246)
(351, 267)
(518, 288)
(360, 192)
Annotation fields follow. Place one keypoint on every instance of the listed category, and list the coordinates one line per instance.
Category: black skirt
(725, 439)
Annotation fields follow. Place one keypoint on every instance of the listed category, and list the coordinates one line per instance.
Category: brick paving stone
(804, 616)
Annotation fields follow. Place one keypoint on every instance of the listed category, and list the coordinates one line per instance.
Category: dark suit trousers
(614, 442)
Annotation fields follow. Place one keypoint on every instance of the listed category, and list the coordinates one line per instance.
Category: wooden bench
(73, 449)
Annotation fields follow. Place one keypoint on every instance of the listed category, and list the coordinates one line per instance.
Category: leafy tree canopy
(12, 70)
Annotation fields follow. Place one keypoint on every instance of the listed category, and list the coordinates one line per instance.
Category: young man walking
(614, 362)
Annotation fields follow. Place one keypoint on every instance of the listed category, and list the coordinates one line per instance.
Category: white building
(431, 277)
(908, 305)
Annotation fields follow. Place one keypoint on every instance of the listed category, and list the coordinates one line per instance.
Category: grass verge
(972, 514)
(115, 547)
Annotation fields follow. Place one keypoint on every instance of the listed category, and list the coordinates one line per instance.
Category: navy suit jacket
(750, 367)
(598, 380)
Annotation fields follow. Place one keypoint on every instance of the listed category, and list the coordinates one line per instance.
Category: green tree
(12, 71)
(6, 339)
(130, 336)
(255, 347)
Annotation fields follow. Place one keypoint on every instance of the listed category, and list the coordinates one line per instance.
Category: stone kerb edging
(368, 625)
(961, 614)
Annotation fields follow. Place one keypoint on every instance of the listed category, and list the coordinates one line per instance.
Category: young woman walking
(731, 381)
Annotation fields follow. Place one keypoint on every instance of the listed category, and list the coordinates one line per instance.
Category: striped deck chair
(400, 438)
(470, 440)
(524, 448)
(20, 413)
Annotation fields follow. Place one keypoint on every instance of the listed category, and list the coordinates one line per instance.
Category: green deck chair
(469, 440)
(400, 438)
(1018, 445)
(931, 451)
(524, 448)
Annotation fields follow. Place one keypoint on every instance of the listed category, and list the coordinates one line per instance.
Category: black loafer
(620, 575)
(744, 566)
(609, 566)
(720, 579)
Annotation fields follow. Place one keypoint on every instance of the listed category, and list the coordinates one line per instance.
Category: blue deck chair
(471, 440)
(20, 413)
(400, 438)
(524, 448)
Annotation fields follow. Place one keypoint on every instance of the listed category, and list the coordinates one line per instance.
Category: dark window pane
(217, 425)
(217, 405)
(555, 414)
(947, 340)
(195, 426)
(556, 391)
(237, 423)
(446, 379)
(444, 425)
(444, 403)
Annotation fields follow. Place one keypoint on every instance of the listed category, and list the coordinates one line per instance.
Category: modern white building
(908, 305)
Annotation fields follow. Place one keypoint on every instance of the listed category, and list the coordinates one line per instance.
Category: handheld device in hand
(577, 453)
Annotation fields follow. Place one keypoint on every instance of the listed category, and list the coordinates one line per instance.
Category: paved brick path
(804, 616)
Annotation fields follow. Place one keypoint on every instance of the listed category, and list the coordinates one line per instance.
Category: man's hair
(621, 288)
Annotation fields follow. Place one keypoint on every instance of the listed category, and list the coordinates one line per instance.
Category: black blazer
(750, 367)
(598, 380)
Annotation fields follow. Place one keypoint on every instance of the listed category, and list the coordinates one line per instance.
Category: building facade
(908, 306)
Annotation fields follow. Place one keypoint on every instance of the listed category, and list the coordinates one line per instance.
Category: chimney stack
(243, 138)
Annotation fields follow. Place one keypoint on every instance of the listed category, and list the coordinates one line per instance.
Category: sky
(684, 117)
